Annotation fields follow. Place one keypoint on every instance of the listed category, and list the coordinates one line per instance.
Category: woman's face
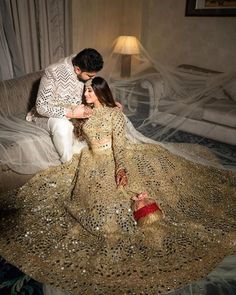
(91, 97)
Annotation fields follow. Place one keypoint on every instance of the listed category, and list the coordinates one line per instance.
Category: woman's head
(98, 92)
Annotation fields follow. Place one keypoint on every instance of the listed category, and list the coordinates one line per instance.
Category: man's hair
(88, 60)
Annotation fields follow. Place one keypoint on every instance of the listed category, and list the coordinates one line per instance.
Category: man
(60, 95)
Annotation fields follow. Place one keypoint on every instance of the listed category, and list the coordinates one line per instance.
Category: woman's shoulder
(116, 111)
(117, 115)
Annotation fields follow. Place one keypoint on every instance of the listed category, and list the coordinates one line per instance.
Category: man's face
(83, 76)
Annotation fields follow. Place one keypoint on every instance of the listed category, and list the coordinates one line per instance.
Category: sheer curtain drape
(33, 34)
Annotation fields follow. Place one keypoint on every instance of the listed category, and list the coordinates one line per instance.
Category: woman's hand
(121, 178)
(79, 112)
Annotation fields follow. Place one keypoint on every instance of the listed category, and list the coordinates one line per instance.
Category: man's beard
(82, 80)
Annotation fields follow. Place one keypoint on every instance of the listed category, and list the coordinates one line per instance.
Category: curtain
(11, 56)
(34, 34)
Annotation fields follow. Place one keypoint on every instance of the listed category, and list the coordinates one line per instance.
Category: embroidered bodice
(105, 130)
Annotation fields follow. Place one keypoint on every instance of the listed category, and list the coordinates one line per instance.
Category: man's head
(87, 63)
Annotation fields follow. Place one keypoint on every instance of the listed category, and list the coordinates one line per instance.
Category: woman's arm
(118, 145)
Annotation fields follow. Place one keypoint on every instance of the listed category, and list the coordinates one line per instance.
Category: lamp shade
(127, 45)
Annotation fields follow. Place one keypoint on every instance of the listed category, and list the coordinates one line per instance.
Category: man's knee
(60, 126)
(62, 137)
(66, 157)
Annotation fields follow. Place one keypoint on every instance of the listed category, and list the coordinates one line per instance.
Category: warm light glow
(127, 45)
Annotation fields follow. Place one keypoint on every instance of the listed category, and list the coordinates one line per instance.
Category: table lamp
(126, 46)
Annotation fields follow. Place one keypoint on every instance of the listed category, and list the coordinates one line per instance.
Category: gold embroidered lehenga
(71, 227)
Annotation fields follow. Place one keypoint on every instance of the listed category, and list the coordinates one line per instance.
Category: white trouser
(61, 130)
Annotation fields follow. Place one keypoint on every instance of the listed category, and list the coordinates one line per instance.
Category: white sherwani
(59, 88)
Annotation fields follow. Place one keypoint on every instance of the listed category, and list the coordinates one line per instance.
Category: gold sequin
(71, 227)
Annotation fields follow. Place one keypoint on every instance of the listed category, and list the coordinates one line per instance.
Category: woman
(73, 227)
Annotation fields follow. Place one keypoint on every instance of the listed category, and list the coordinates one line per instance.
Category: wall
(97, 23)
(161, 26)
(175, 39)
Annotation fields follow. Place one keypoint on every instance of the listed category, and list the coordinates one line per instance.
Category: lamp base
(125, 65)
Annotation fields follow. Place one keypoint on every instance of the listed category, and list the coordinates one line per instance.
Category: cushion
(221, 112)
(19, 94)
(181, 109)
(230, 89)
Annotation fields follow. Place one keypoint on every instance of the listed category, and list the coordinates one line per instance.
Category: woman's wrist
(70, 113)
(120, 169)
(121, 177)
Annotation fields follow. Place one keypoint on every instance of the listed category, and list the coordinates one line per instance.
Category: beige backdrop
(162, 28)
(97, 23)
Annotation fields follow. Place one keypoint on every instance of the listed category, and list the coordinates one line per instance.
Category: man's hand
(121, 178)
(80, 112)
(119, 105)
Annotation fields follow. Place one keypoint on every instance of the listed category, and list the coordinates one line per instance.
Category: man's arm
(79, 112)
(44, 103)
(46, 95)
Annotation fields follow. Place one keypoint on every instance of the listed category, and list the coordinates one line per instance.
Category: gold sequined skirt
(71, 227)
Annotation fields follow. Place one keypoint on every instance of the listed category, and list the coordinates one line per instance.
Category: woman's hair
(104, 95)
(103, 92)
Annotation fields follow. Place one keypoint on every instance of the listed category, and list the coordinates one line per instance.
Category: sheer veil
(172, 106)
(175, 107)
(32, 150)
(24, 147)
